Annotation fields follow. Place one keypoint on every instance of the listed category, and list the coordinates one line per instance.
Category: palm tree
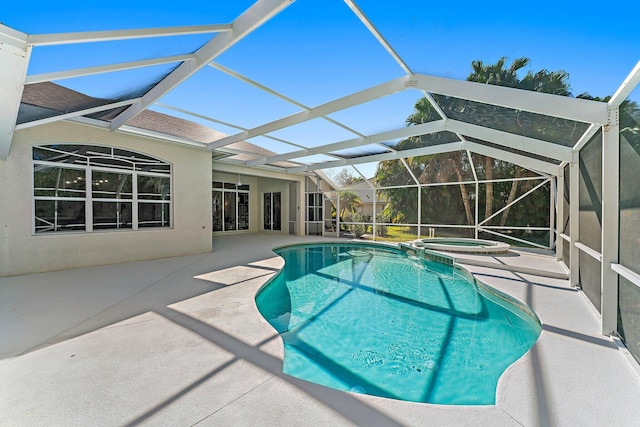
(495, 74)
(542, 81)
(446, 168)
(349, 201)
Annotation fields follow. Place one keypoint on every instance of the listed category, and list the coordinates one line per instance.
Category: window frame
(88, 168)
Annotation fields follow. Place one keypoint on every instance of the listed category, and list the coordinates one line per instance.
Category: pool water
(371, 319)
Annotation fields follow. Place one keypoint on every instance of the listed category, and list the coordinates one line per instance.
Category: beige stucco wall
(22, 252)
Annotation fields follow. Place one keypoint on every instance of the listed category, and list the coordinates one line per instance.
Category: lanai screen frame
(375, 193)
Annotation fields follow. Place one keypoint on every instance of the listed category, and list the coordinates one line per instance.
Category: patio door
(272, 205)
(230, 207)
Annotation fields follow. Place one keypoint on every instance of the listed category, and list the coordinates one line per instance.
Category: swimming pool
(371, 319)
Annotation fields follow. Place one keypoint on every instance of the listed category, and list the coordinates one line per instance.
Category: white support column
(375, 196)
(302, 207)
(553, 194)
(134, 201)
(574, 221)
(476, 228)
(560, 213)
(610, 221)
(88, 204)
(419, 211)
(338, 225)
(475, 178)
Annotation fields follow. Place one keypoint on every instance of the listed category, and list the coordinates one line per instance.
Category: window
(90, 188)
(230, 206)
(314, 206)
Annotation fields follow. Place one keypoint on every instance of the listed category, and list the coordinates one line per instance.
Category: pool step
(552, 269)
(561, 271)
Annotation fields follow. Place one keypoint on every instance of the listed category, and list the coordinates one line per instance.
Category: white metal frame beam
(506, 139)
(405, 132)
(427, 128)
(586, 137)
(15, 38)
(558, 106)
(348, 101)
(251, 19)
(374, 31)
(132, 130)
(518, 159)
(80, 72)
(625, 89)
(102, 36)
(270, 91)
(86, 111)
(231, 125)
(14, 61)
(138, 131)
(582, 110)
(502, 209)
(423, 151)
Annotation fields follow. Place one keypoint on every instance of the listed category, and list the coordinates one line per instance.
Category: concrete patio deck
(180, 342)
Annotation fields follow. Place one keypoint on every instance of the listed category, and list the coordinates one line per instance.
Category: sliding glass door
(230, 207)
(272, 208)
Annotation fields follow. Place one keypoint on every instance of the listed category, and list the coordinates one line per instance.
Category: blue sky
(438, 38)
(317, 50)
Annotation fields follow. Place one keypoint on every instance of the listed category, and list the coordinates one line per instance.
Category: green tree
(346, 178)
(358, 229)
(349, 202)
(394, 173)
(497, 74)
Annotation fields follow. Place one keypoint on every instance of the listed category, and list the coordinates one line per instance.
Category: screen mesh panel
(591, 216)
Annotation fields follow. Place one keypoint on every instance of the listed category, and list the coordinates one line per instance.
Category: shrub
(357, 229)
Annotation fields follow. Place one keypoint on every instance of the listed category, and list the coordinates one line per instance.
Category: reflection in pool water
(370, 319)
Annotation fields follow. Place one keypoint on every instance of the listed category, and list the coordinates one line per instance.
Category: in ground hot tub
(462, 245)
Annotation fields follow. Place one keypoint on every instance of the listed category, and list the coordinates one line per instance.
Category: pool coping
(439, 244)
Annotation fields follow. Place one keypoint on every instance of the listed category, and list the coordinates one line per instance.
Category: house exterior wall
(260, 182)
(22, 252)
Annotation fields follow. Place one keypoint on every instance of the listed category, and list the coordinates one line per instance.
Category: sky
(317, 50)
